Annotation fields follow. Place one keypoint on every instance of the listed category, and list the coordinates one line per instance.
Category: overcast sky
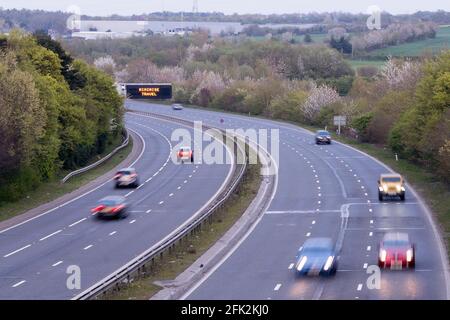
(128, 7)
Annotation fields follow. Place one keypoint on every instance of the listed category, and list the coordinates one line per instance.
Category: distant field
(414, 49)
(365, 63)
(317, 38)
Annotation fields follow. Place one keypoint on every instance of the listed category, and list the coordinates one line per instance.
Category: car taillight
(117, 176)
(180, 154)
(118, 208)
(97, 209)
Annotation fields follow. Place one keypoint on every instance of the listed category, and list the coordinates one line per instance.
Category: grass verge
(184, 255)
(52, 190)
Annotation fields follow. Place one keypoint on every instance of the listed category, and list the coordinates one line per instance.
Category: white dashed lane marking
(50, 235)
(88, 247)
(113, 233)
(75, 223)
(16, 251)
(18, 284)
(277, 287)
(57, 264)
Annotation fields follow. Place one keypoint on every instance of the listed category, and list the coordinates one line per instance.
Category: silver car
(177, 106)
(126, 178)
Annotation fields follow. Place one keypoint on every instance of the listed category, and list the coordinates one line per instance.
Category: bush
(361, 125)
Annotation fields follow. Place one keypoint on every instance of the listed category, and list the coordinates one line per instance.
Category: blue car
(317, 256)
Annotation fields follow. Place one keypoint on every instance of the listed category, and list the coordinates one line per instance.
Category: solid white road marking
(75, 223)
(16, 251)
(57, 263)
(50, 235)
(18, 284)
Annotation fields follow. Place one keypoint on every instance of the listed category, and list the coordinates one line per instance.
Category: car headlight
(328, 263)
(402, 188)
(380, 188)
(302, 263)
(385, 187)
(383, 255)
(409, 255)
(399, 188)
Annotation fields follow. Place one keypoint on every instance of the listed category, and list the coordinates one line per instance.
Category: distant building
(95, 35)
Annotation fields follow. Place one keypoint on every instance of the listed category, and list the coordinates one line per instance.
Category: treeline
(404, 106)
(440, 17)
(393, 35)
(33, 20)
(55, 112)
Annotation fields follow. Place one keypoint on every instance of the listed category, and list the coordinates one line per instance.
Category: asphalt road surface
(35, 255)
(323, 191)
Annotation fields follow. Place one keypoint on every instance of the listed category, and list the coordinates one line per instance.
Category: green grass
(184, 255)
(52, 190)
(355, 64)
(418, 48)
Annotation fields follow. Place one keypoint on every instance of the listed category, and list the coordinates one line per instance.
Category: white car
(126, 178)
(177, 106)
(185, 154)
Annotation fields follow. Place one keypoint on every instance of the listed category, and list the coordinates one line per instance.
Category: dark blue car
(317, 256)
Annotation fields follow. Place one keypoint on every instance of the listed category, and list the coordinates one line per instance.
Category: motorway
(35, 254)
(322, 191)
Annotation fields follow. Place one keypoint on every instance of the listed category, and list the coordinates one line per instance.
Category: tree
(308, 38)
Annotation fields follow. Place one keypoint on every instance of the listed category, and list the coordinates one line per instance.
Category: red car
(185, 154)
(111, 207)
(396, 252)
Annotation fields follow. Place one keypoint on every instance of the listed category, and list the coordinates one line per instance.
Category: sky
(128, 7)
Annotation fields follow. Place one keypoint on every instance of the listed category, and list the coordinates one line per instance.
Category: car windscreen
(323, 133)
(125, 172)
(392, 179)
(109, 202)
(395, 243)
